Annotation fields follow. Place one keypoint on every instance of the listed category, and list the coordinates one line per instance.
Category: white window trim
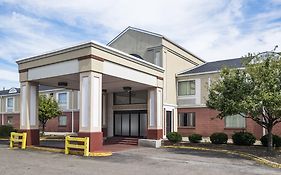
(196, 96)
(13, 109)
(67, 99)
(186, 96)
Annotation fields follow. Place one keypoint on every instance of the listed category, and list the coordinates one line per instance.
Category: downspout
(72, 112)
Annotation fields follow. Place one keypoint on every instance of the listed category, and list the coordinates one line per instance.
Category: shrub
(5, 130)
(195, 138)
(219, 138)
(174, 137)
(275, 139)
(243, 138)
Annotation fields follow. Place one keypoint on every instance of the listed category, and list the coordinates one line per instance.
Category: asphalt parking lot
(134, 161)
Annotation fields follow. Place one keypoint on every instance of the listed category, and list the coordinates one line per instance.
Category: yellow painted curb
(56, 150)
(242, 154)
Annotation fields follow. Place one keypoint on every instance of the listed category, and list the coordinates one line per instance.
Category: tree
(48, 109)
(253, 92)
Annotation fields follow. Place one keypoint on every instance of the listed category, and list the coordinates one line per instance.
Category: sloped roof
(17, 90)
(215, 66)
(10, 91)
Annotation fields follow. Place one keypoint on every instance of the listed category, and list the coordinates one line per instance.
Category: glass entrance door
(130, 123)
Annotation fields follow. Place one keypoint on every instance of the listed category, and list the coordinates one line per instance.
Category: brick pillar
(29, 122)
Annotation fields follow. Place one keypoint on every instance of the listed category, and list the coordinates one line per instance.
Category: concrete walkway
(134, 161)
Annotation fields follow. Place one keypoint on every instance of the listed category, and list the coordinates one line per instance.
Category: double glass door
(130, 123)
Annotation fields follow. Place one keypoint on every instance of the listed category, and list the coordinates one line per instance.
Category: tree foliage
(48, 109)
(253, 92)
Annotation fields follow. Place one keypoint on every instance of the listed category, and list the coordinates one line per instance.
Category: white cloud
(216, 29)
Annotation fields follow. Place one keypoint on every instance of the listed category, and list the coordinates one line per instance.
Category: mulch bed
(257, 150)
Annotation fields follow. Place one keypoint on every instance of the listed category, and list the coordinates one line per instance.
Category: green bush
(219, 138)
(275, 139)
(195, 138)
(174, 137)
(243, 138)
(5, 130)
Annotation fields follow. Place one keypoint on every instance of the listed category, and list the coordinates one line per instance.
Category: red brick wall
(15, 119)
(206, 123)
(277, 129)
(53, 124)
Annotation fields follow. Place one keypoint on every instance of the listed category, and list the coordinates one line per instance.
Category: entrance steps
(122, 140)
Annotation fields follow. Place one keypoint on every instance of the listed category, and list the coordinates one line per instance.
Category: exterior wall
(16, 102)
(204, 87)
(53, 124)
(206, 124)
(15, 119)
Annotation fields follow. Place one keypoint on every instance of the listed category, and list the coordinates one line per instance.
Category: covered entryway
(130, 123)
(97, 71)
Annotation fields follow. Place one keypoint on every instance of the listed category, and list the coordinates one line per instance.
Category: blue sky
(213, 30)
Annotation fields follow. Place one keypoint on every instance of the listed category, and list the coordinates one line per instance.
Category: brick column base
(155, 134)
(104, 131)
(33, 136)
(96, 140)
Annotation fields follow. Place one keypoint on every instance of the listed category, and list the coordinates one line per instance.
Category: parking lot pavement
(137, 161)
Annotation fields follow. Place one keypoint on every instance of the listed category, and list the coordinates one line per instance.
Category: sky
(212, 30)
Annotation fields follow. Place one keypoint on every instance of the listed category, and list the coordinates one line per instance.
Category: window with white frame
(62, 120)
(186, 88)
(235, 121)
(187, 119)
(62, 99)
(10, 104)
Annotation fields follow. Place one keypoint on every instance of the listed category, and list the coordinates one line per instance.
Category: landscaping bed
(259, 151)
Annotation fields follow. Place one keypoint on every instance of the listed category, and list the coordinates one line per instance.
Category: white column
(155, 108)
(110, 121)
(29, 106)
(104, 114)
(90, 102)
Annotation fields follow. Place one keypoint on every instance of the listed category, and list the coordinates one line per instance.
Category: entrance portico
(97, 71)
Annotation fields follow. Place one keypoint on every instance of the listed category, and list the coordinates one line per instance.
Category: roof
(10, 91)
(17, 90)
(214, 66)
(154, 34)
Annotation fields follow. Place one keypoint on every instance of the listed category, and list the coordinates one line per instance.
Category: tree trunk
(43, 129)
(269, 140)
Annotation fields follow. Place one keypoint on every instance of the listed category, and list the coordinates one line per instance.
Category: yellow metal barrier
(84, 146)
(18, 138)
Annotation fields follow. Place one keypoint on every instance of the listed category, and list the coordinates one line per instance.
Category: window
(187, 119)
(135, 97)
(157, 58)
(62, 120)
(10, 104)
(139, 97)
(62, 100)
(186, 88)
(235, 121)
(10, 120)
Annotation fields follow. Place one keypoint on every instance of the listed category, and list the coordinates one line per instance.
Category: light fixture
(127, 88)
(62, 84)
